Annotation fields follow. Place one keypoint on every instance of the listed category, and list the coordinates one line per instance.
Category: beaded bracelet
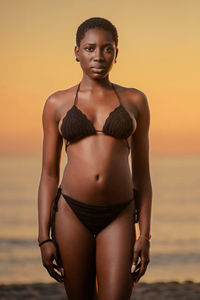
(45, 241)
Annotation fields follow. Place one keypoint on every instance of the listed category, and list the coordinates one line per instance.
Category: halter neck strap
(76, 97)
(116, 93)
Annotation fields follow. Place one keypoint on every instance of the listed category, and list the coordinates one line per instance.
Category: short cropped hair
(96, 22)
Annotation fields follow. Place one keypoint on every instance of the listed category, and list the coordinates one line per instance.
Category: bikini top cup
(76, 125)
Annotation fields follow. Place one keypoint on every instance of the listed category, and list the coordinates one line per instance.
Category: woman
(92, 217)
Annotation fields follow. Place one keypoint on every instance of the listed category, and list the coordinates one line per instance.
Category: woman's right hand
(49, 254)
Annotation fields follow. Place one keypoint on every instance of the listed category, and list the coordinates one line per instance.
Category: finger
(135, 260)
(136, 273)
(59, 264)
(58, 259)
(61, 270)
(54, 274)
(135, 266)
(144, 264)
(138, 266)
(58, 268)
(137, 269)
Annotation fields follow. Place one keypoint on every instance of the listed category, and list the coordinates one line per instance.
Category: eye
(89, 48)
(108, 49)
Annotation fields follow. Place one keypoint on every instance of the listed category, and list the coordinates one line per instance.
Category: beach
(186, 290)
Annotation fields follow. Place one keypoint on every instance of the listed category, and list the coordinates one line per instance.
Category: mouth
(98, 69)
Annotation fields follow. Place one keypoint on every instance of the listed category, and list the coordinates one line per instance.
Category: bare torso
(97, 169)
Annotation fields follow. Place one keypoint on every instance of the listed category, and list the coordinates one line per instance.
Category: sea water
(175, 245)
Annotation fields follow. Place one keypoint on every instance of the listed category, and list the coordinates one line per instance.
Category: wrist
(145, 236)
(42, 238)
(45, 241)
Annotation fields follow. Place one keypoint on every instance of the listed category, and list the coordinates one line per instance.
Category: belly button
(97, 177)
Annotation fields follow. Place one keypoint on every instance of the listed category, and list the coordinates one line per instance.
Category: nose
(98, 55)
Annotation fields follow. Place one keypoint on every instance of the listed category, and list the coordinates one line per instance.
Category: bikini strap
(116, 93)
(76, 97)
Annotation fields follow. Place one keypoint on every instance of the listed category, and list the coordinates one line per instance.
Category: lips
(98, 68)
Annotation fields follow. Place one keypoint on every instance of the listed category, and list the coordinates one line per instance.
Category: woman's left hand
(142, 251)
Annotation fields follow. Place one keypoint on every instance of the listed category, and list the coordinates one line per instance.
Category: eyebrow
(93, 44)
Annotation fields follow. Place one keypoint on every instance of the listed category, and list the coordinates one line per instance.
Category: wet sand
(186, 290)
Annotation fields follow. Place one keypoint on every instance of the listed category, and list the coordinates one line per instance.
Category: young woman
(93, 248)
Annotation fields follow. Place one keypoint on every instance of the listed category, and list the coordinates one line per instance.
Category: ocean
(175, 245)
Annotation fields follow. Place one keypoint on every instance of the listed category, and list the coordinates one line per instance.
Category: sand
(186, 290)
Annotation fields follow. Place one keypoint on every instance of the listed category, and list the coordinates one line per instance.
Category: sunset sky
(159, 46)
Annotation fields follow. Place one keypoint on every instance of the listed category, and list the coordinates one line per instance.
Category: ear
(76, 51)
(116, 53)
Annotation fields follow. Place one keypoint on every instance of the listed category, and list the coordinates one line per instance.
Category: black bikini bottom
(94, 217)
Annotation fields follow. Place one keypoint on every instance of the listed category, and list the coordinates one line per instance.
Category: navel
(97, 176)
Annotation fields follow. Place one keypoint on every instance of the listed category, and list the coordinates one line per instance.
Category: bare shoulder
(136, 100)
(59, 96)
(133, 95)
(58, 100)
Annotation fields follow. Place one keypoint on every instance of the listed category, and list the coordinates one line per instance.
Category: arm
(140, 165)
(52, 146)
(142, 182)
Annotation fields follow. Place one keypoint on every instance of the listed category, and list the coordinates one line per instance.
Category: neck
(95, 84)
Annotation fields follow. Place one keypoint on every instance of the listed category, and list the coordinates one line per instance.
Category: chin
(99, 75)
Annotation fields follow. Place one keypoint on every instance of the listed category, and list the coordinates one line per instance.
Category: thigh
(77, 251)
(114, 253)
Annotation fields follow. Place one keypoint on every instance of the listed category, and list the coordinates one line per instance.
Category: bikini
(75, 126)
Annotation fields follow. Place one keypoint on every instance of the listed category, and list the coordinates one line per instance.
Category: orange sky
(159, 48)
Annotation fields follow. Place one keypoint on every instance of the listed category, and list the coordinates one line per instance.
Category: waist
(93, 186)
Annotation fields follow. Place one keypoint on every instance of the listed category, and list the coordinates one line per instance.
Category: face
(97, 53)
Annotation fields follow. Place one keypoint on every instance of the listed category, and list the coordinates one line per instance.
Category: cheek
(85, 64)
(86, 58)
